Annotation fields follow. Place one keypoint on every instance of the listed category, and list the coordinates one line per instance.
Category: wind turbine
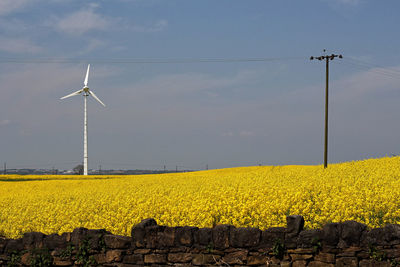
(86, 92)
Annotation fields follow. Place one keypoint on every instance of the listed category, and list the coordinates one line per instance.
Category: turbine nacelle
(85, 89)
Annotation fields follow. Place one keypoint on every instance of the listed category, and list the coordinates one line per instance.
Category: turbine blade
(74, 93)
(87, 75)
(95, 97)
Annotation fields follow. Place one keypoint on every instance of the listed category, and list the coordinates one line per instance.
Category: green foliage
(316, 244)
(82, 255)
(41, 257)
(15, 259)
(102, 243)
(278, 249)
(67, 253)
(376, 254)
(210, 247)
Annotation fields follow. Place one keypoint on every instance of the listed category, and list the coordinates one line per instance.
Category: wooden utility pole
(327, 58)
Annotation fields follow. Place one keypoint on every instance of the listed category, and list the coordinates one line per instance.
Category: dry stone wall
(336, 244)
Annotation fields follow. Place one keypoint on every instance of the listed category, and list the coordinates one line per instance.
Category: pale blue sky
(193, 114)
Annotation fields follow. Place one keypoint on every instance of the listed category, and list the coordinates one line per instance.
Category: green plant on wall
(83, 257)
(278, 249)
(15, 259)
(40, 257)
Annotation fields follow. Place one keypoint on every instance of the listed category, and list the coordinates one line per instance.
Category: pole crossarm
(327, 58)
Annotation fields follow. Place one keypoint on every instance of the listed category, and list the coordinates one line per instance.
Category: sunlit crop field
(367, 191)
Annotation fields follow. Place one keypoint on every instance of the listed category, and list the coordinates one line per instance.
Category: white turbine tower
(86, 92)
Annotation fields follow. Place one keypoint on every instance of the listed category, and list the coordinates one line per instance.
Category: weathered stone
(350, 233)
(380, 236)
(309, 238)
(178, 249)
(138, 232)
(325, 257)
(155, 258)
(117, 241)
(185, 236)
(286, 264)
(33, 240)
(257, 260)
(271, 236)
(301, 251)
(220, 235)
(392, 253)
(179, 257)
(202, 259)
(166, 238)
(151, 235)
(320, 264)
(295, 224)
(299, 264)
(372, 263)
(78, 235)
(245, 237)
(330, 234)
(347, 261)
(205, 236)
(237, 257)
(134, 258)
(14, 245)
(25, 258)
(142, 251)
(393, 236)
(349, 252)
(3, 243)
(54, 241)
(57, 261)
(296, 257)
(100, 258)
(114, 255)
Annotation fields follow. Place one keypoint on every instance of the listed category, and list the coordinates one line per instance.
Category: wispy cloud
(156, 27)
(4, 122)
(18, 45)
(9, 6)
(82, 21)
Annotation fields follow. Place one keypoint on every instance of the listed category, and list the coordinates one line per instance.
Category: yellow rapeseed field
(367, 191)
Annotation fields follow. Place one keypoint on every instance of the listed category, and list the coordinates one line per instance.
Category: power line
(145, 61)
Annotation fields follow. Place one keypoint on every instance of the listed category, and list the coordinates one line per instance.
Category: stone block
(347, 261)
(54, 241)
(237, 257)
(33, 240)
(320, 264)
(325, 257)
(166, 238)
(78, 235)
(257, 260)
(205, 236)
(138, 232)
(350, 233)
(114, 255)
(14, 245)
(185, 236)
(296, 257)
(117, 241)
(295, 224)
(100, 258)
(155, 258)
(203, 259)
(300, 263)
(372, 263)
(271, 236)
(220, 235)
(244, 237)
(180, 257)
(309, 238)
(134, 259)
(330, 234)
